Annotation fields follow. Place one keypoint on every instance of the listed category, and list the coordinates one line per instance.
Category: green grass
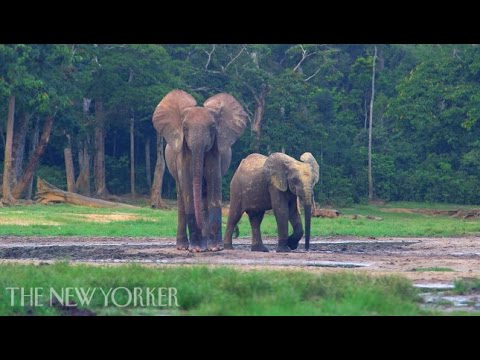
(426, 205)
(61, 219)
(218, 291)
(467, 286)
(440, 269)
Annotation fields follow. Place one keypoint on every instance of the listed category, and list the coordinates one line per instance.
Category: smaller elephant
(262, 183)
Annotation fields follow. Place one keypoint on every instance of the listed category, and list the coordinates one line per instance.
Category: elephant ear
(310, 160)
(231, 119)
(275, 169)
(167, 118)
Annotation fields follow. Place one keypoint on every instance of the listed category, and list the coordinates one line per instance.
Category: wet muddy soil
(423, 260)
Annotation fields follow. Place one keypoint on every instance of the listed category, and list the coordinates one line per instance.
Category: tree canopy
(299, 97)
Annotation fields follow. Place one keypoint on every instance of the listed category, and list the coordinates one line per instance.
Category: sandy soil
(405, 256)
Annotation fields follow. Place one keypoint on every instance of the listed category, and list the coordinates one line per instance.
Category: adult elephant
(276, 182)
(198, 154)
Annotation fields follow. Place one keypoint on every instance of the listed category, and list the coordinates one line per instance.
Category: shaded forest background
(87, 109)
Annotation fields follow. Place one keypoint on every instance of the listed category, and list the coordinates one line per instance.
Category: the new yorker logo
(74, 296)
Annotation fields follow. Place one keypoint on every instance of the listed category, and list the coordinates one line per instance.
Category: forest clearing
(129, 164)
(51, 233)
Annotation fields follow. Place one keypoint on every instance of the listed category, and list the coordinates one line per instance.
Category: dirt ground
(405, 256)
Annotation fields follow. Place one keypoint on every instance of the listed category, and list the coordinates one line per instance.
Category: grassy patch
(467, 286)
(61, 219)
(433, 269)
(218, 291)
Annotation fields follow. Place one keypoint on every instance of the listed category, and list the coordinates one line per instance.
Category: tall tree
(18, 146)
(370, 123)
(33, 146)
(156, 194)
(99, 160)
(7, 195)
(132, 156)
(35, 158)
(148, 171)
(70, 171)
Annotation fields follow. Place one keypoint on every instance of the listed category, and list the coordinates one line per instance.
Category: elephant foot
(198, 245)
(197, 249)
(182, 244)
(215, 248)
(259, 247)
(293, 243)
(283, 248)
(215, 245)
(228, 246)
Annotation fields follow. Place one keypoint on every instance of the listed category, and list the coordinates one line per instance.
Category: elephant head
(299, 177)
(213, 127)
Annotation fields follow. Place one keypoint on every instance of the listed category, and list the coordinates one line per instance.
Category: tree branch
(235, 58)
(305, 56)
(312, 76)
(209, 56)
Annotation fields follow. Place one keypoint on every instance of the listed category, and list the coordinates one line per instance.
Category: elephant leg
(182, 239)
(197, 241)
(204, 211)
(214, 199)
(256, 218)
(214, 240)
(296, 221)
(234, 216)
(281, 212)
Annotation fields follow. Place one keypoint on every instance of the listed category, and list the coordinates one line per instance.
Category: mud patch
(85, 253)
(107, 218)
(362, 247)
(27, 222)
(380, 256)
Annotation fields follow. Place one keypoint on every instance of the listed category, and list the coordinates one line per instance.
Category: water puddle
(440, 298)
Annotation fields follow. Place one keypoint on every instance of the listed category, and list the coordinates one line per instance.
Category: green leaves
(426, 110)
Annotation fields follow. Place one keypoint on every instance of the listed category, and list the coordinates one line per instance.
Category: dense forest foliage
(89, 108)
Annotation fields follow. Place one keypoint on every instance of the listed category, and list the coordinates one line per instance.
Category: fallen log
(47, 193)
(468, 214)
(326, 213)
(368, 217)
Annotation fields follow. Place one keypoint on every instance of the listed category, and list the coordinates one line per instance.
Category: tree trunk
(34, 160)
(132, 156)
(370, 180)
(18, 147)
(83, 180)
(47, 193)
(258, 117)
(114, 146)
(7, 195)
(148, 169)
(4, 142)
(33, 146)
(365, 112)
(99, 165)
(156, 195)
(69, 166)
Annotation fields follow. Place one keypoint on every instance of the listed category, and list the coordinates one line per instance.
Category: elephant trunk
(197, 186)
(308, 216)
(308, 221)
